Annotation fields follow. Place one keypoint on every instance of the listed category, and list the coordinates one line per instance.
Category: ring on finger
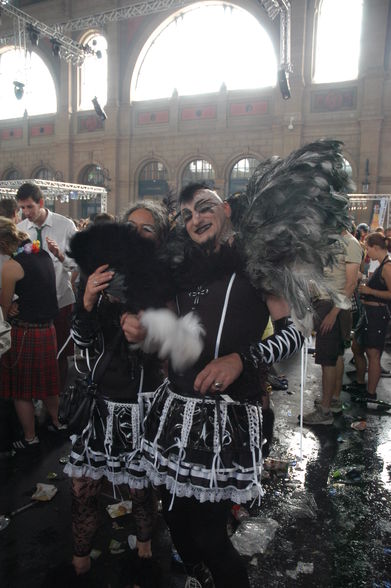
(96, 283)
(217, 385)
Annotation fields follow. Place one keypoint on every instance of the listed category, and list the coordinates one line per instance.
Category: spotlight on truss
(283, 82)
(18, 90)
(55, 47)
(33, 35)
(98, 109)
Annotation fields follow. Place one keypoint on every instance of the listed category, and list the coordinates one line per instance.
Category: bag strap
(106, 358)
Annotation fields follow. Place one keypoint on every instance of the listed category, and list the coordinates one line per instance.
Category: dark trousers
(199, 533)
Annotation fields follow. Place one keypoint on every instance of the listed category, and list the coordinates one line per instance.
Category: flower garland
(33, 247)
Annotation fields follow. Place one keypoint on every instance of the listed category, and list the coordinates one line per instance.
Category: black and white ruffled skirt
(208, 448)
(110, 445)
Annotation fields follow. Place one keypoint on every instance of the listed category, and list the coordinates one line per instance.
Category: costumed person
(29, 369)
(120, 273)
(370, 333)
(203, 435)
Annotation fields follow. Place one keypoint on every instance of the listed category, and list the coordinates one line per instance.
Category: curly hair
(10, 236)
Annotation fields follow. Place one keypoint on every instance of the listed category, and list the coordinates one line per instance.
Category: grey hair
(159, 213)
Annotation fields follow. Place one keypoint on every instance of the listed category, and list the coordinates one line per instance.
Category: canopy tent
(62, 191)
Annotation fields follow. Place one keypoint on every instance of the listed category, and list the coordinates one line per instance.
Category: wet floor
(324, 520)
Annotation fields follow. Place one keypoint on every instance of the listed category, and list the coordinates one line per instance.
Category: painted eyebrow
(208, 201)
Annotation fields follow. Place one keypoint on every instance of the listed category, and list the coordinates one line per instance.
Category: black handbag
(77, 403)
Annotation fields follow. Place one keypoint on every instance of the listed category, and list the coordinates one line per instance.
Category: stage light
(55, 47)
(33, 35)
(98, 109)
(283, 82)
(18, 90)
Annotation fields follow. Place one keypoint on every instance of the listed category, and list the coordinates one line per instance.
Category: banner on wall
(378, 213)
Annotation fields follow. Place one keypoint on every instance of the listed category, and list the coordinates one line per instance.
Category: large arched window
(12, 174)
(338, 37)
(199, 170)
(203, 47)
(241, 173)
(26, 85)
(92, 175)
(152, 182)
(93, 73)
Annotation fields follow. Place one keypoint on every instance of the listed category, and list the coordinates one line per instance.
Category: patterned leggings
(85, 493)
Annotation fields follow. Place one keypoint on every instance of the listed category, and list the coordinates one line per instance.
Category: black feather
(296, 210)
(146, 278)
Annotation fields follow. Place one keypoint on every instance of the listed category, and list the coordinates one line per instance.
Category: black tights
(199, 533)
(85, 492)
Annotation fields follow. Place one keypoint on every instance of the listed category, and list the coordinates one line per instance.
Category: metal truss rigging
(126, 12)
(62, 190)
(66, 47)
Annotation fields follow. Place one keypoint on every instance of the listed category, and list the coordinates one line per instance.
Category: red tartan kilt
(30, 368)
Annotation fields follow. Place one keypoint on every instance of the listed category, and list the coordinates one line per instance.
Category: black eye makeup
(201, 207)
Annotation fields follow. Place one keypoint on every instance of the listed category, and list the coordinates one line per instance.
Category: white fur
(180, 339)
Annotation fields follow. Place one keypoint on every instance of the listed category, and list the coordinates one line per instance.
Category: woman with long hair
(121, 274)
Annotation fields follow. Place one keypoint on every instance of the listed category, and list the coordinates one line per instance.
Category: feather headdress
(294, 211)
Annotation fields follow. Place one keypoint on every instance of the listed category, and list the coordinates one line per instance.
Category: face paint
(206, 217)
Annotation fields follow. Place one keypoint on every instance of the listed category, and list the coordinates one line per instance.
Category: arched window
(152, 182)
(12, 174)
(198, 170)
(218, 44)
(43, 173)
(93, 73)
(92, 175)
(241, 173)
(26, 85)
(338, 37)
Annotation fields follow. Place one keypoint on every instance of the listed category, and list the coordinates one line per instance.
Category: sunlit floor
(324, 520)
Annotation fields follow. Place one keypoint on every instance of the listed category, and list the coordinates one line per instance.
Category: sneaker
(23, 444)
(335, 406)
(370, 398)
(57, 429)
(318, 417)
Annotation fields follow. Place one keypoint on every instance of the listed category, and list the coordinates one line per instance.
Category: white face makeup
(206, 217)
(143, 221)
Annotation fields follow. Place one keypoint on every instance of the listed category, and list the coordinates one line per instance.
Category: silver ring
(95, 282)
(217, 385)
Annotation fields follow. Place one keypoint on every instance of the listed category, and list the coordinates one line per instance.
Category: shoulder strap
(104, 359)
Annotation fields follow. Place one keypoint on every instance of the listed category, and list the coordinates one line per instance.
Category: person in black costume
(121, 273)
(203, 437)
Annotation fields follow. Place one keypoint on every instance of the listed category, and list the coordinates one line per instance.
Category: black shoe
(355, 388)
(24, 445)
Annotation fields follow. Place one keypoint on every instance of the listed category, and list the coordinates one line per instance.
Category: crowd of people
(189, 431)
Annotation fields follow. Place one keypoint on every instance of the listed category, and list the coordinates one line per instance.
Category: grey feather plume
(295, 210)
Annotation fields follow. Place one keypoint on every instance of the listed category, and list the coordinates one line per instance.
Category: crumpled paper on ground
(44, 492)
(254, 535)
(119, 508)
